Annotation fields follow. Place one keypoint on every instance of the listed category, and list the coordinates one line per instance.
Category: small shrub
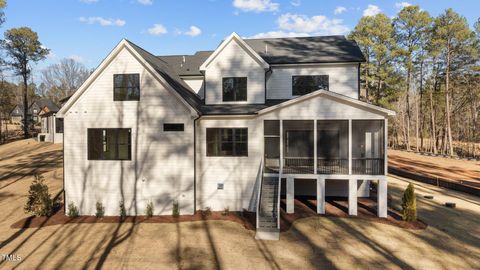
(175, 209)
(39, 201)
(207, 212)
(123, 211)
(149, 209)
(226, 211)
(409, 204)
(72, 210)
(100, 210)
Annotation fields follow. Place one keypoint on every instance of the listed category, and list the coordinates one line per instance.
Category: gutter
(195, 163)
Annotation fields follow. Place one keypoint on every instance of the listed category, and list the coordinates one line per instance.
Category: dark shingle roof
(191, 64)
(238, 109)
(171, 77)
(44, 102)
(321, 49)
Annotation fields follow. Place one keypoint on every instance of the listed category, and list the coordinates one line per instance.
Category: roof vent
(183, 61)
(266, 48)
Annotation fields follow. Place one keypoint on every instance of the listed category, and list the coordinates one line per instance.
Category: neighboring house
(51, 127)
(33, 110)
(231, 128)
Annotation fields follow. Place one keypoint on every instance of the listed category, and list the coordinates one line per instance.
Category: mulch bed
(304, 207)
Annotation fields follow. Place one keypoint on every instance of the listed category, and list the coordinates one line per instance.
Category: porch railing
(370, 166)
(298, 165)
(332, 166)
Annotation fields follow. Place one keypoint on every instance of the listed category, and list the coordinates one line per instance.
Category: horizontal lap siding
(343, 79)
(234, 61)
(238, 174)
(161, 169)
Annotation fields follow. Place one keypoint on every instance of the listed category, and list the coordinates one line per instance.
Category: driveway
(451, 241)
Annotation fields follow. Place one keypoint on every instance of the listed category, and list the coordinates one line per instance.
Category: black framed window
(234, 89)
(109, 144)
(173, 127)
(126, 87)
(227, 142)
(59, 125)
(302, 85)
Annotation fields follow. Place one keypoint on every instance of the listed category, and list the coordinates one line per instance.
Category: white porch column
(320, 195)
(290, 195)
(315, 161)
(352, 197)
(385, 140)
(349, 146)
(281, 146)
(382, 198)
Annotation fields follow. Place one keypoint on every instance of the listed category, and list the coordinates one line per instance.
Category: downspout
(195, 163)
(266, 72)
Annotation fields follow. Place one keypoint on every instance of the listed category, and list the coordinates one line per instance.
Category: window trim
(317, 75)
(235, 92)
(129, 144)
(115, 87)
(233, 142)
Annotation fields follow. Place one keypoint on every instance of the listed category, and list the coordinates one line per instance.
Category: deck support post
(350, 146)
(290, 195)
(320, 195)
(382, 198)
(315, 161)
(352, 196)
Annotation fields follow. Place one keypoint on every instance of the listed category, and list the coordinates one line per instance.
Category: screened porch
(324, 147)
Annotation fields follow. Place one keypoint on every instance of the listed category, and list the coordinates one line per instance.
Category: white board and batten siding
(234, 61)
(161, 169)
(343, 79)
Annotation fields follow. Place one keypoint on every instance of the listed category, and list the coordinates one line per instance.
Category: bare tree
(62, 79)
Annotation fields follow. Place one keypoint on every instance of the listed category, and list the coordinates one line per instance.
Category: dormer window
(302, 85)
(126, 87)
(235, 89)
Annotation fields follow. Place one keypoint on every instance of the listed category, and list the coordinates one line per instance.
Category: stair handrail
(278, 197)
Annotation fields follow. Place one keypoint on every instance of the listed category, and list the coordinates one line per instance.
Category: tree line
(427, 70)
(20, 49)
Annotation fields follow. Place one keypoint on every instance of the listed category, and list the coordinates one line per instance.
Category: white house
(225, 128)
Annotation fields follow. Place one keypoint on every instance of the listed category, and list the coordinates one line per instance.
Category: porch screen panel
(271, 131)
(298, 146)
(368, 149)
(332, 146)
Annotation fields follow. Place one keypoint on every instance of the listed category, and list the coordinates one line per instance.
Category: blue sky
(87, 30)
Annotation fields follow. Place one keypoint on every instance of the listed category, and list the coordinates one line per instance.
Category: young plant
(123, 211)
(207, 212)
(39, 201)
(226, 211)
(149, 209)
(100, 210)
(72, 210)
(409, 204)
(175, 209)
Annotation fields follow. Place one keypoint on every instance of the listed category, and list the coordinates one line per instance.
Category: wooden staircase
(268, 227)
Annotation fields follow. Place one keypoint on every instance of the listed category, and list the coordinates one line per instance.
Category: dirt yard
(466, 171)
(451, 241)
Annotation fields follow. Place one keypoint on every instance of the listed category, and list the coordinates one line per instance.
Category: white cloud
(339, 10)
(296, 3)
(88, 1)
(316, 24)
(157, 29)
(145, 2)
(371, 10)
(256, 5)
(76, 58)
(102, 21)
(194, 31)
(401, 5)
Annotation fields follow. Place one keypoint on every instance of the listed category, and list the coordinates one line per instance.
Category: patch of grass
(149, 209)
(175, 209)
